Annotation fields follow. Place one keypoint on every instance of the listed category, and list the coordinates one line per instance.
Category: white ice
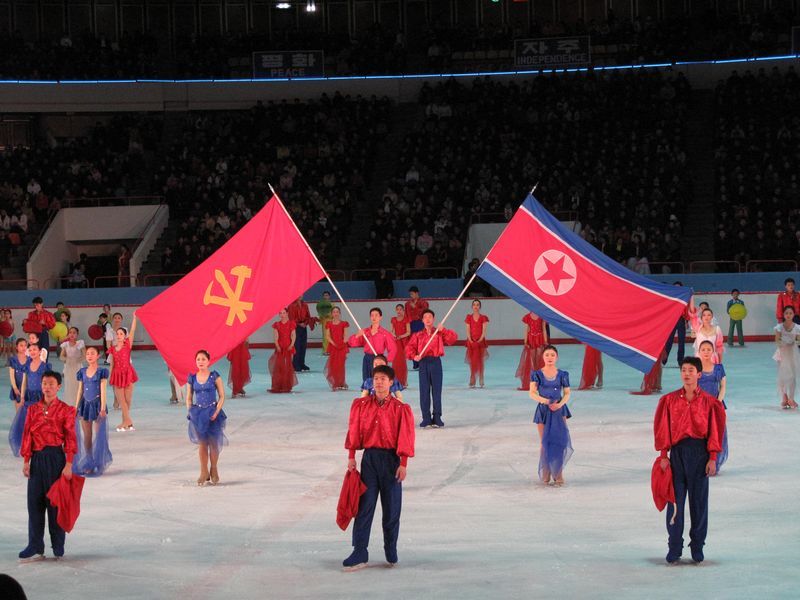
(476, 523)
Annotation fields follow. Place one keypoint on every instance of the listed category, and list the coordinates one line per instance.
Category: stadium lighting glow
(311, 6)
(283, 5)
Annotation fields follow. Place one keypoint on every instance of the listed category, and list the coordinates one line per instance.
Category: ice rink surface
(476, 523)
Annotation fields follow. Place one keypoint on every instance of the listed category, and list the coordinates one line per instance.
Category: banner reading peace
(260, 270)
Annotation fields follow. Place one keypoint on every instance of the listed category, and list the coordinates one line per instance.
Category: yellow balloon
(737, 312)
(59, 331)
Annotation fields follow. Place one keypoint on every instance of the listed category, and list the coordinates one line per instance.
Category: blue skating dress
(93, 460)
(711, 382)
(204, 403)
(556, 443)
(33, 393)
(369, 386)
(19, 372)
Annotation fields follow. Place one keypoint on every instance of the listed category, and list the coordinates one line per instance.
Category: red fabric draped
(282, 371)
(239, 375)
(400, 365)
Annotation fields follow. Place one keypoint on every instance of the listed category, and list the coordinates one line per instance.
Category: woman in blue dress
(17, 369)
(204, 400)
(31, 394)
(550, 388)
(713, 381)
(367, 387)
(94, 455)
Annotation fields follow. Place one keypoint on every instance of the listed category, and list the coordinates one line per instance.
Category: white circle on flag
(555, 272)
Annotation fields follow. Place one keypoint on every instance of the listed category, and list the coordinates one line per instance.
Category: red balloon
(6, 329)
(95, 332)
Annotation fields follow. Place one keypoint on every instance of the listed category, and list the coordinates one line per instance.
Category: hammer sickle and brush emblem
(233, 298)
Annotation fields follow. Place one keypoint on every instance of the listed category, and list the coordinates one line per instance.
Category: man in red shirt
(430, 367)
(299, 313)
(789, 297)
(40, 321)
(383, 427)
(48, 445)
(374, 338)
(689, 424)
(414, 308)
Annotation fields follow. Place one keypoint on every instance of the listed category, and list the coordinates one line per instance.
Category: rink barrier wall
(505, 327)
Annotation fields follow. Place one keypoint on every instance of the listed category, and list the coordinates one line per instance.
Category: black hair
(77, 331)
(785, 281)
(37, 300)
(384, 369)
(550, 347)
(707, 309)
(413, 288)
(381, 356)
(20, 340)
(735, 291)
(204, 353)
(115, 314)
(376, 309)
(36, 335)
(785, 308)
(428, 310)
(478, 301)
(103, 316)
(54, 374)
(706, 342)
(400, 306)
(59, 302)
(694, 361)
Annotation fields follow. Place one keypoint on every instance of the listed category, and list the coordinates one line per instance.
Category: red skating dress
(337, 355)
(239, 375)
(531, 358)
(280, 363)
(400, 365)
(592, 374)
(122, 374)
(477, 352)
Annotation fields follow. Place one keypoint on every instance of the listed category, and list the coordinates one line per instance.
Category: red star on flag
(555, 272)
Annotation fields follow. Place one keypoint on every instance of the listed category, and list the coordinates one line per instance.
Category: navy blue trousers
(300, 344)
(688, 459)
(416, 326)
(430, 387)
(378, 469)
(46, 467)
(366, 366)
(680, 331)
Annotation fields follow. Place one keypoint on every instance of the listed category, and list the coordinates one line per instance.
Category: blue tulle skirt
(556, 442)
(92, 462)
(89, 411)
(18, 423)
(203, 430)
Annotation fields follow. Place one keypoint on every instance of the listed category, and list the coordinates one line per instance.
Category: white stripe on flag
(565, 317)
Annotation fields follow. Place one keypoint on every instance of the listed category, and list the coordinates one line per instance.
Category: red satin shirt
(382, 341)
(299, 313)
(373, 425)
(414, 311)
(446, 337)
(56, 427)
(677, 419)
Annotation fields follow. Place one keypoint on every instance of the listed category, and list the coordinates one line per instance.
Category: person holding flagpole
(375, 340)
(427, 348)
(280, 364)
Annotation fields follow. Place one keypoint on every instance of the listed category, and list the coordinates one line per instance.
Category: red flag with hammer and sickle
(259, 271)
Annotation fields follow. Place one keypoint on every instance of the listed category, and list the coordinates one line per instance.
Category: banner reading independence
(553, 53)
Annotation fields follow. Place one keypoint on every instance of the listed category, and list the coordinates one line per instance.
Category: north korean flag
(554, 273)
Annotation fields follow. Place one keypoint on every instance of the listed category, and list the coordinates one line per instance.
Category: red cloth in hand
(661, 484)
(65, 494)
(352, 488)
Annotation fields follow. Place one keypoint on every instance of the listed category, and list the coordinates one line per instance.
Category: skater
(73, 354)
(335, 335)
(280, 363)
(382, 342)
(93, 455)
(123, 376)
(383, 427)
(550, 388)
(108, 334)
(401, 327)
(40, 321)
(31, 394)
(688, 425)
(48, 447)
(368, 388)
(533, 342)
(477, 348)
(705, 330)
(788, 297)
(734, 323)
(414, 309)
(239, 374)
(430, 367)
(787, 335)
(324, 308)
(301, 317)
(204, 399)
(17, 370)
(680, 331)
(713, 381)
(592, 372)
